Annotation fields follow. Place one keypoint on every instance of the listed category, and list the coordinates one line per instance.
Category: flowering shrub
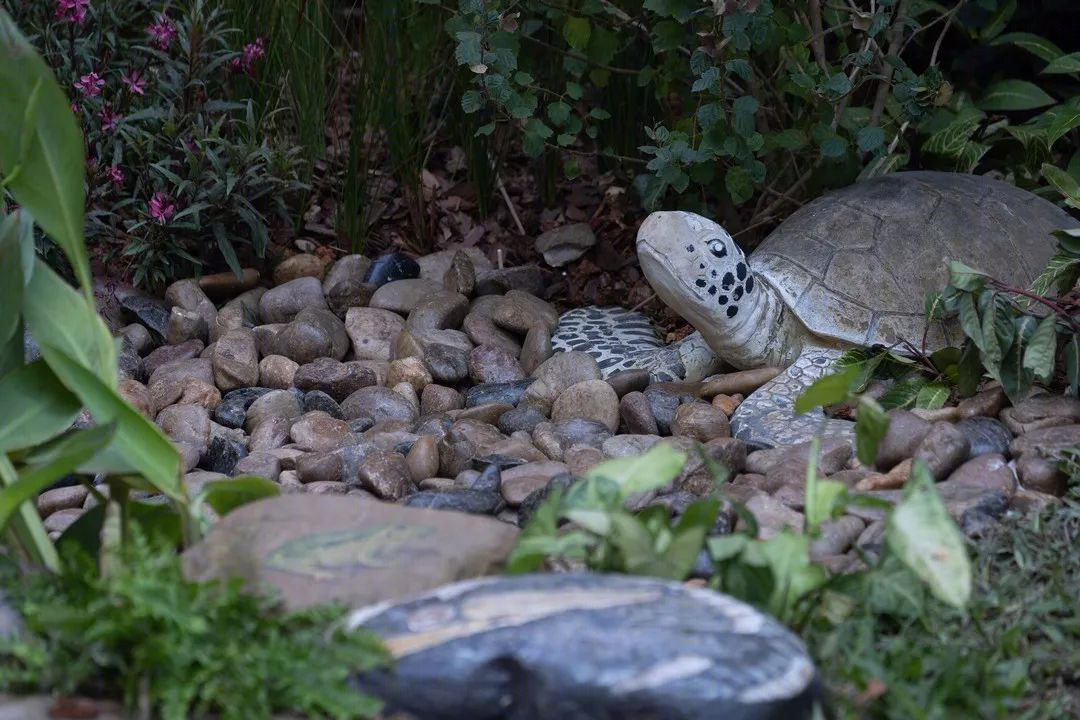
(175, 182)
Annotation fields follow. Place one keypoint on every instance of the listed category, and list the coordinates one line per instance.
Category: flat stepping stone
(349, 549)
(579, 645)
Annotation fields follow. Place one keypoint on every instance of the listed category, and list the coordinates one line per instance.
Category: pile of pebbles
(432, 383)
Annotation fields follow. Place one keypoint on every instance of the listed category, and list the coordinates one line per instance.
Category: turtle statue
(849, 269)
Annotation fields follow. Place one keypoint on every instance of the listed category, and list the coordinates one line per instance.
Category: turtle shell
(856, 265)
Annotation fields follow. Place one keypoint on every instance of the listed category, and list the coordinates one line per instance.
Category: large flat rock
(318, 548)
(586, 646)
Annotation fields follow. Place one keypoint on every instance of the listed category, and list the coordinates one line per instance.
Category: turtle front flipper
(767, 418)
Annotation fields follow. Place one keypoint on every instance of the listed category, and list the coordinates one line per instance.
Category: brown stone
(743, 382)
(348, 549)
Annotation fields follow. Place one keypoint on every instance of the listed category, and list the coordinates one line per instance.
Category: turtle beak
(654, 230)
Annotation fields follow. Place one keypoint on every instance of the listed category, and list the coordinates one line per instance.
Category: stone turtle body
(851, 268)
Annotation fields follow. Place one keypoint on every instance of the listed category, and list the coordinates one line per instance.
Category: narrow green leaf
(828, 390)
(1008, 95)
(969, 370)
(991, 350)
(65, 455)
(997, 22)
(1040, 354)
(58, 316)
(50, 183)
(37, 406)
(138, 440)
(26, 527)
(920, 531)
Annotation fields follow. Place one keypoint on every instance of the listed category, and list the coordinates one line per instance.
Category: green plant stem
(26, 525)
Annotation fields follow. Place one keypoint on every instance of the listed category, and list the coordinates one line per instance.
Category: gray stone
(498, 281)
(519, 311)
(482, 330)
(281, 304)
(386, 475)
(564, 244)
(906, 430)
(402, 296)
(985, 435)
(700, 421)
(168, 353)
(447, 364)
(335, 378)
(509, 393)
(236, 360)
(524, 418)
(352, 550)
(494, 364)
(635, 415)
(372, 332)
(557, 373)
(1046, 441)
(277, 372)
(318, 400)
(378, 403)
(568, 645)
(473, 502)
(185, 325)
(318, 431)
(273, 404)
(263, 464)
(944, 449)
(589, 399)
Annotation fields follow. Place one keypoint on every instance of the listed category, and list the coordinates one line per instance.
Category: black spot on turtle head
(749, 284)
(712, 289)
(700, 282)
(717, 247)
(689, 248)
(737, 294)
(728, 280)
(740, 270)
(732, 310)
(722, 300)
(701, 266)
(713, 273)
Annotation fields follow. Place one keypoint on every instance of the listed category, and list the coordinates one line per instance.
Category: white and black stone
(586, 646)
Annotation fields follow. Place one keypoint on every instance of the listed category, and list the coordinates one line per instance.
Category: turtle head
(695, 267)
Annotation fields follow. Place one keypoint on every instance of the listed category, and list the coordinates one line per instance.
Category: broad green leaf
(997, 22)
(12, 282)
(921, 533)
(1038, 46)
(1014, 95)
(1063, 182)
(1072, 364)
(1066, 64)
(969, 370)
(969, 320)
(824, 499)
(902, 394)
(59, 317)
(558, 112)
(576, 32)
(964, 277)
(595, 520)
(932, 396)
(25, 527)
(1066, 117)
(789, 139)
(828, 390)
(471, 101)
(870, 139)
(1040, 354)
(64, 455)
(635, 543)
(788, 556)
(648, 471)
(992, 351)
(137, 439)
(224, 496)
(36, 405)
(726, 547)
(870, 426)
(49, 184)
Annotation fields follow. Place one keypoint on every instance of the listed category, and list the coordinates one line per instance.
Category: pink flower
(72, 10)
(90, 84)
(74, 109)
(161, 207)
(251, 53)
(115, 174)
(134, 81)
(108, 117)
(162, 32)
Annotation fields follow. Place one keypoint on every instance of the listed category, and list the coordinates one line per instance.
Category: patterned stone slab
(318, 548)
(586, 646)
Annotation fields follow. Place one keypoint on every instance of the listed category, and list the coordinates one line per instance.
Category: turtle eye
(717, 247)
